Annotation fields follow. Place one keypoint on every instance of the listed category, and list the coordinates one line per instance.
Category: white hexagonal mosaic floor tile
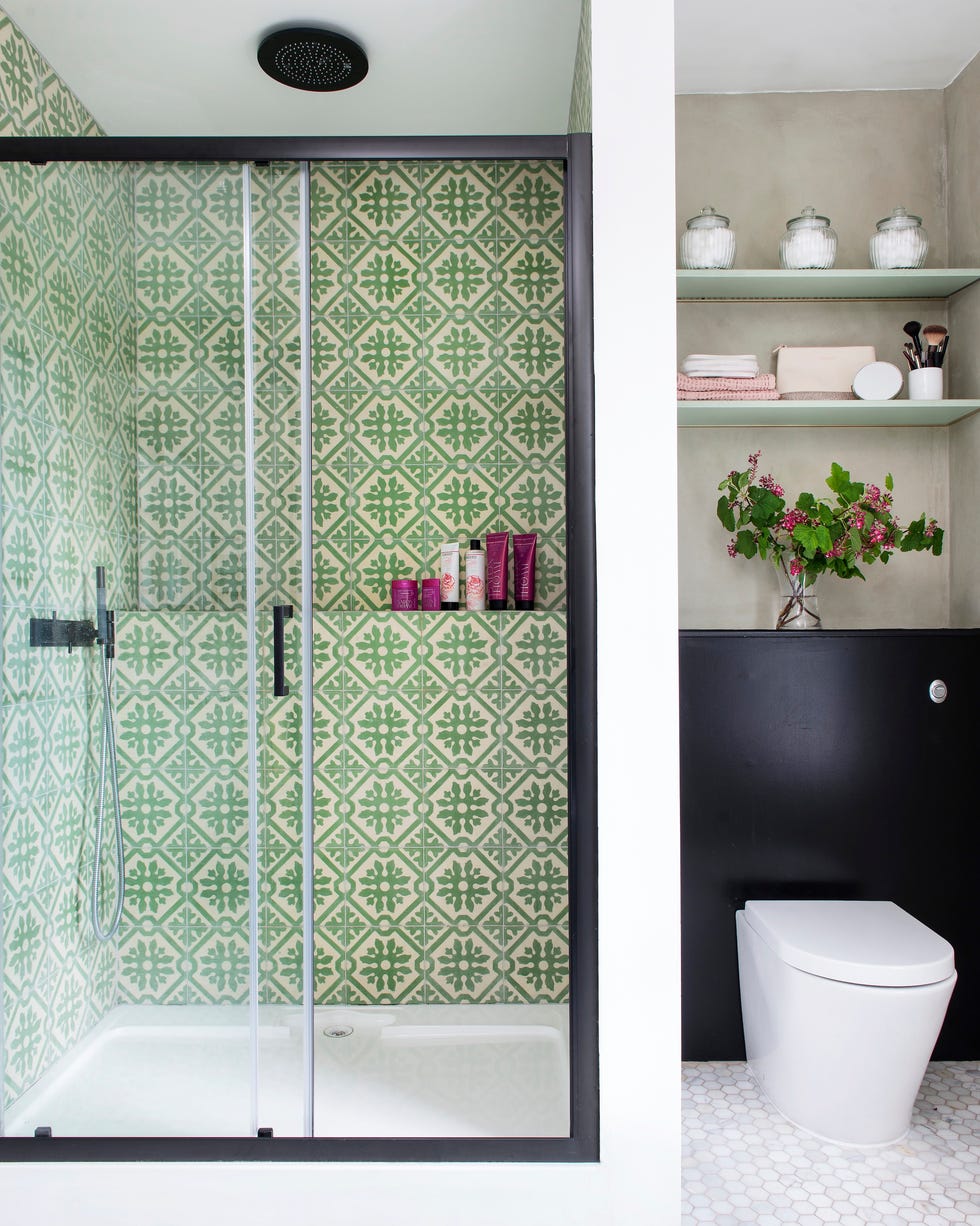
(744, 1163)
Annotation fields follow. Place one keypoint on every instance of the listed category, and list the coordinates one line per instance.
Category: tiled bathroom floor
(744, 1163)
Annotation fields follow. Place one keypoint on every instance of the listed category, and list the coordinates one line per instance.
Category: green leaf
(852, 492)
(725, 513)
(824, 542)
(838, 477)
(807, 537)
(745, 544)
(889, 483)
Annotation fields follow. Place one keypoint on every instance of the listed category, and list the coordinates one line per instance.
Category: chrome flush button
(938, 691)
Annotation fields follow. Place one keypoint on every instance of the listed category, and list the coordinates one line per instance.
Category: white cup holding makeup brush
(926, 383)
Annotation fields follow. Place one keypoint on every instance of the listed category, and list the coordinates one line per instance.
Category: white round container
(926, 383)
(877, 381)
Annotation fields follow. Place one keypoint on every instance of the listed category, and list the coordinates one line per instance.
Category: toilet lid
(875, 943)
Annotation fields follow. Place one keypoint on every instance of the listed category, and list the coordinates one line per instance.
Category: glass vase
(796, 608)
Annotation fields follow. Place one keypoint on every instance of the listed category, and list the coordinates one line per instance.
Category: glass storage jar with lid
(708, 241)
(809, 242)
(900, 241)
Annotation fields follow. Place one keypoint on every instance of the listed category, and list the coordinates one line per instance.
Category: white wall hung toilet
(842, 1003)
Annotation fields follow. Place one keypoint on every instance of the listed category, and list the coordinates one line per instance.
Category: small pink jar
(431, 595)
(404, 595)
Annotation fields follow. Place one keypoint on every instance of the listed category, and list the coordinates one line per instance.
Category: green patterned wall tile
(384, 967)
(460, 428)
(217, 804)
(66, 375)
(536, 730)
(26, 1038)
(149, 726)
(463, 808)
(150, 961)
(20, 70)
(535, 805)
(220, 965)
(216, 652)
(462, 969)
(150, 802)
(534, 652)
(218, 884)
(461, 649)
(155, 874)
(384, 807)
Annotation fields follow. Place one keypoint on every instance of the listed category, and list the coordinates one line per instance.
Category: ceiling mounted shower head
(306, 57)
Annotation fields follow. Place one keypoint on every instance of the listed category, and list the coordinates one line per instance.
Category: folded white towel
(721, 372)
(721, 365)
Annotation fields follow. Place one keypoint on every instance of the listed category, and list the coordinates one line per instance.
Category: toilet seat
(873, 943)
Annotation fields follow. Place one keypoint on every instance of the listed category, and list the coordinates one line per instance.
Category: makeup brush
(909, 352)
(912, 329)
(941, 353)
(933, 335)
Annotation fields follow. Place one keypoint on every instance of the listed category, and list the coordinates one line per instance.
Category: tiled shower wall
(67, 503)
(440, 765)
(440, 809)
(438, 369)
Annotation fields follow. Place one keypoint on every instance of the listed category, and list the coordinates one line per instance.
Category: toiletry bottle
(404, 595)
(497, 569)
(431, 594)
(476, 577)
(525, 549)
(449, 575)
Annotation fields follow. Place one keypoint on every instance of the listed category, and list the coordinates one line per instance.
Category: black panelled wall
(815, 765)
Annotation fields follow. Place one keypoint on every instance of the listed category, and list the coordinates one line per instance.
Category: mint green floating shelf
(823, 412)
(770, 283)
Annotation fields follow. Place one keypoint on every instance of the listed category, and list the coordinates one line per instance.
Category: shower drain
(338, 1032)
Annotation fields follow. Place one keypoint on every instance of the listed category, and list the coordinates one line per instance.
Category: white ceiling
(760, 46)
(188, 67)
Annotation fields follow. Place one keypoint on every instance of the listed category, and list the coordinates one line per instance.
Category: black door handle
(279, 614)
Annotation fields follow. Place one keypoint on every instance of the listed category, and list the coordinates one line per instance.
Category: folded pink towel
(723, 394)
(708, 383)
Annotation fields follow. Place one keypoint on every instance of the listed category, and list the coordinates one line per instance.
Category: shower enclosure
(255, 385)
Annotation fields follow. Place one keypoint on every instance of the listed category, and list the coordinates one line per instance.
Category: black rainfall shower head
(306, 57)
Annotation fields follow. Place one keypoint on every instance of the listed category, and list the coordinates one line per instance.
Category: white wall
(637, 1182)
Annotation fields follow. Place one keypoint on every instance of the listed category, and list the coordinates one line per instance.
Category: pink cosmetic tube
(431, 595)
(497, 568)
(525, 548)
(404, 595)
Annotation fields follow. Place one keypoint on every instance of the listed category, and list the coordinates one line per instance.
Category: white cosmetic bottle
(476, 577)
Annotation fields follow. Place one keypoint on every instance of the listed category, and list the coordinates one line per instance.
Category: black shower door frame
(582, 1144)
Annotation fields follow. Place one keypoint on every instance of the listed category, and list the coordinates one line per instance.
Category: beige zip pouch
(815, 372)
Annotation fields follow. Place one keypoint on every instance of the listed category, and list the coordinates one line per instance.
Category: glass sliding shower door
(255, 394)
(278, 392)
